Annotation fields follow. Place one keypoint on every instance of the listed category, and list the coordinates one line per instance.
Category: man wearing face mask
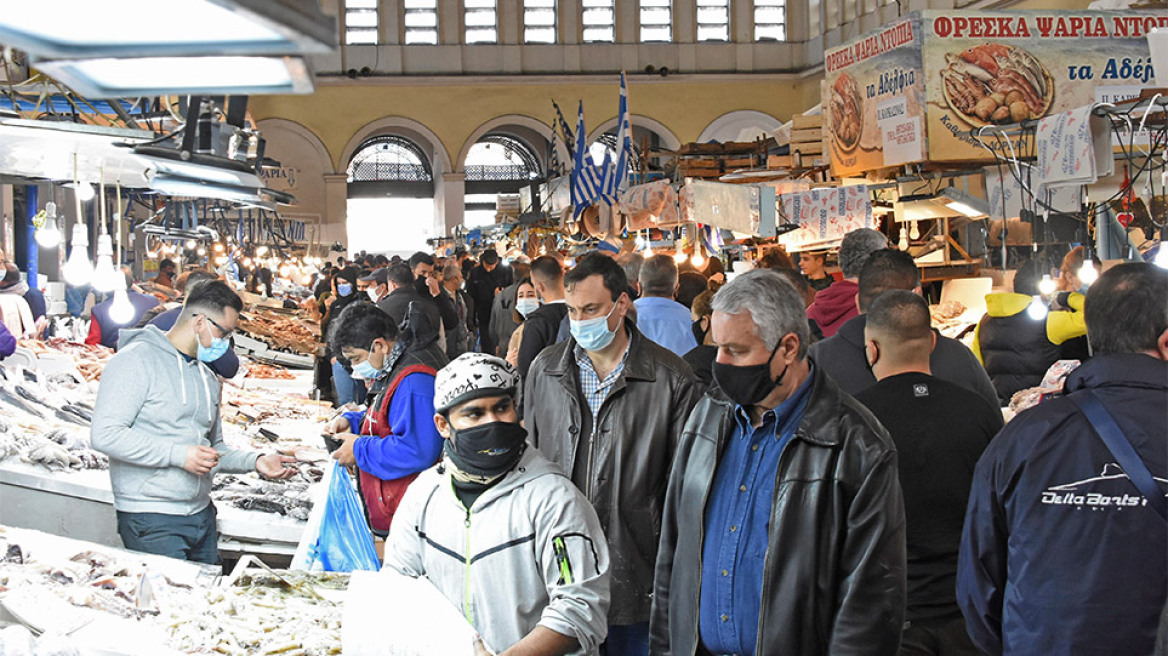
(608, 407)
(784, 523)
(394, 438)
(157, 418)
(499, 530)
(375, 284)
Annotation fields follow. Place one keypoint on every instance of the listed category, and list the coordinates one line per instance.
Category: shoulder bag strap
(1119, 446)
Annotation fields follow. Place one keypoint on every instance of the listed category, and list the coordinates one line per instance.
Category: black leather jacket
(835, 566)
(635, 437)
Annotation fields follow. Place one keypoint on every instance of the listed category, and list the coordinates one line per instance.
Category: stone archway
(741, 125)
(669, 140)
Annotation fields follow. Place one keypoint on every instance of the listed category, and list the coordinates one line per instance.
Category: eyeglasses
(225, 333)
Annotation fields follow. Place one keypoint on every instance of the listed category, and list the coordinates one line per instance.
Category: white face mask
(373, 294)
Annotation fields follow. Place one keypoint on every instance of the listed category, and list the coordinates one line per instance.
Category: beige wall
(454, 110)
(317, 134)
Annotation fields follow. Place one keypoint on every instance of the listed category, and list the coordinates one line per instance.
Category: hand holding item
(432, 284)
(200, 460)
(276, 466)
(338, 424)
(344, 453)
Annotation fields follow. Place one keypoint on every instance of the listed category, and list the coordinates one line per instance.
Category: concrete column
(449, 202)
(509, 21)
(685, 23)
(389, 12)
(449, 22)
(569, 27)
(628, 23)
(336, 194)
(741, 21)
(797, 21)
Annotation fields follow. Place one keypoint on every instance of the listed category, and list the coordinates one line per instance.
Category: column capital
(454, 177)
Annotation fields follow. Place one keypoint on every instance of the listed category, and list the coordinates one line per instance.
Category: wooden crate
(804, 122)
(808, 148)
(803, 136)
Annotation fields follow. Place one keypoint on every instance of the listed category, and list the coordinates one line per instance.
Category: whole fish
(19, 403)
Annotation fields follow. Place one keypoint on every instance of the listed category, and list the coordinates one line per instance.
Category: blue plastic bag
(337, 537)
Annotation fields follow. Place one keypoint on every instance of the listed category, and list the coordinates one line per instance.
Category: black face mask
(487, 451)
(749, 385)
(698, 333)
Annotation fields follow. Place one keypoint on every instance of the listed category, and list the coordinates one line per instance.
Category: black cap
(380, 276)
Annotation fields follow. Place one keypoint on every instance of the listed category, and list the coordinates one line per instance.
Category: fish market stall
(52, 480)
(98, 601)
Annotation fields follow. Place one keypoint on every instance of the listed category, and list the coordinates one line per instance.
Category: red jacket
(834, 306)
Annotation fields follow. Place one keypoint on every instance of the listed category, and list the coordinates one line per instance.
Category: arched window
(391, 196)
(390, 158)
(497, 164)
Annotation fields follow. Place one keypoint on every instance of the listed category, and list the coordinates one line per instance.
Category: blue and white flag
(616, 172)
(585, 178)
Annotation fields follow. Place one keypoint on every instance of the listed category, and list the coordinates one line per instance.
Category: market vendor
(157, 418)
(535, 578)
(394, 439)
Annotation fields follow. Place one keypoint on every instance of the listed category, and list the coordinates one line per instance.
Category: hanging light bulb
(201, 252)
(191, 243)
(47, 235)
(284, 270)
(121, 310)
(914, 231)
(1161, 259)
(679, 256)
(78, 271)
(220, 260)
(106, 278)
(698, 260)
(902, 244)
(262, 251)
(1046, 286)
(84, 191)
(247, 262)
(218, 247)
(1088, 274)
(648, 246)
(1037, 310)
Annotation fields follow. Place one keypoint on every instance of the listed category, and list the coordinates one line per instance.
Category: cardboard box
(910, 91)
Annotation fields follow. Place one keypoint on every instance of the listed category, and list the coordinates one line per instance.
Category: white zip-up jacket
(529, 552)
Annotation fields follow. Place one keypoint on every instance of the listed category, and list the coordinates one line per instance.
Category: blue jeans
(627, 640)
(347, 389)
(193, 537)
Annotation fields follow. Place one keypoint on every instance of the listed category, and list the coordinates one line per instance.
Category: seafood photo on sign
(846, 117)
(996, 84)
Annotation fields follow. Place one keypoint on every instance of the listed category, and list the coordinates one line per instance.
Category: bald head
(898, 334)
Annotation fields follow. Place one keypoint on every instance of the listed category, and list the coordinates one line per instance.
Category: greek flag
(616, 172)
(585, 178)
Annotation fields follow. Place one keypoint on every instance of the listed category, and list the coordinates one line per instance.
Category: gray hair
(659, 276)
(856, 247)
(775, 306)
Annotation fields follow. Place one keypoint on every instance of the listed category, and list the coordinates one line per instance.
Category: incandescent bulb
(121, 310)
(679, 256)
(201, 252)
(77, 270)
(218, 248)
(190, 244)
(903, 243)
(1088, 274)
(698, 261)
(1037, 310)
(47, 235)
(1046, 286)
(105, 277)
(261, 251)
(84, 191)
(1161, 259)
(914, 232)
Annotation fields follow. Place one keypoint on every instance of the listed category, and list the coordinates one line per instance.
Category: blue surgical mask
(218, 347)
(525, 306)
(344, 289)
(593, 334)
(366, 370)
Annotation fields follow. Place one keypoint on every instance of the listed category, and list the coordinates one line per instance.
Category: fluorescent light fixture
(140, 28)
(151, 76)
(949, 202)
(195, 188)
(968, 204)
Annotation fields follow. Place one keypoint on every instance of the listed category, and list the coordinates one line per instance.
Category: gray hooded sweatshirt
(152, 405)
